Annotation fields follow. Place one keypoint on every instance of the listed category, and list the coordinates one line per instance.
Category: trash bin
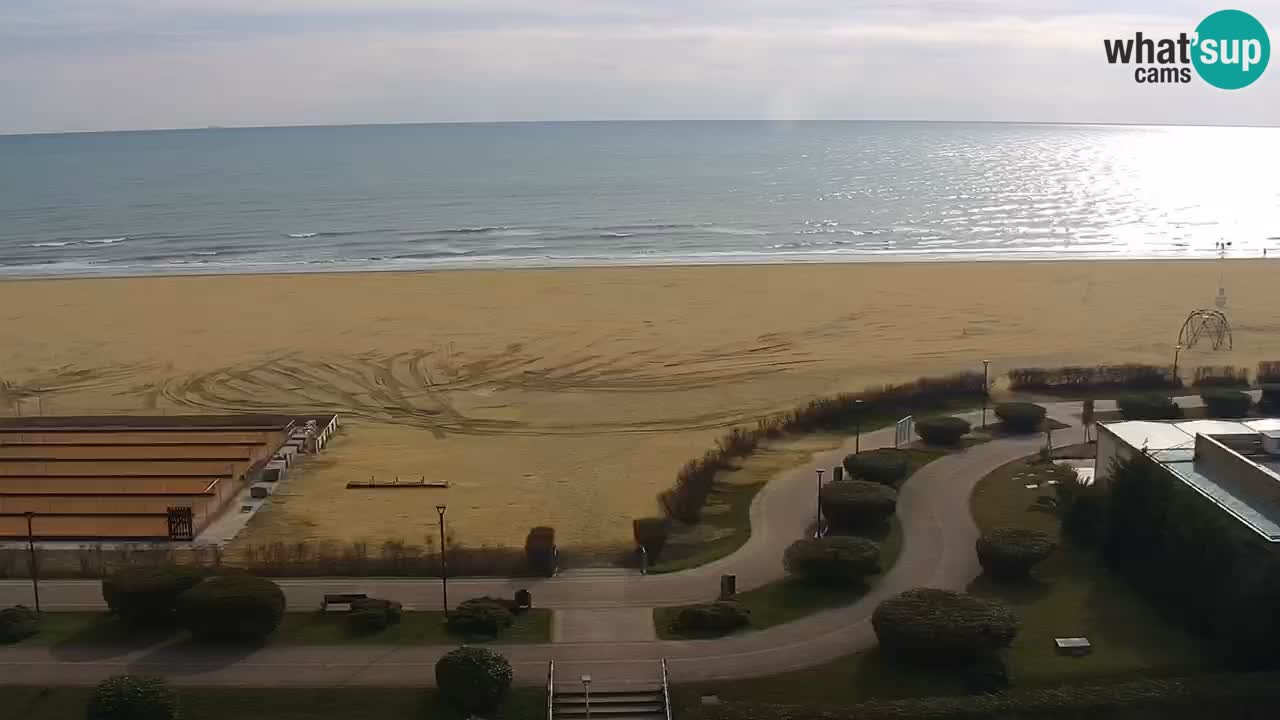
(728, 586)
(523, 600)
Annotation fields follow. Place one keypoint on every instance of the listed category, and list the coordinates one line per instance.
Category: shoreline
(630, 264)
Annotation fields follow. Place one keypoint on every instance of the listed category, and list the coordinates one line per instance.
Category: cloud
(78, 64)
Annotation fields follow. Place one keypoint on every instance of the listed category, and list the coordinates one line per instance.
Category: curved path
(938, 539)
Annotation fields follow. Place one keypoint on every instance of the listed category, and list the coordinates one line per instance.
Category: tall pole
(857, 430)
(1176, 350)
(444, 562)
(31, 550)
(986, 390)
(817, 527)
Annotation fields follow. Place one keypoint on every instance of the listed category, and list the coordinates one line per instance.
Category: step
(634, 712)
(607, 697)
(610, 706)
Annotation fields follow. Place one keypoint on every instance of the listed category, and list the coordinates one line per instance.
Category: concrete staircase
(574, 700)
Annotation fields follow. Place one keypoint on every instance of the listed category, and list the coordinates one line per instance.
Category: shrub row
(927, 626)
(856, 504)
(1148, 407)
(883, 465)
(710, 619)
(371, 615)
(1224, 403)
(18, 623)
(834, 560)
(1220, 376)
(1078, 379)
(1010, 553)
(540, 551)
(1021, 417)
(684, 501)
(1270, 402)
(487, 616)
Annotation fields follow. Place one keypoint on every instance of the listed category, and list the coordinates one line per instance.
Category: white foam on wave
(106, 241)
(722, 230)
(300, 236)
(53, 244)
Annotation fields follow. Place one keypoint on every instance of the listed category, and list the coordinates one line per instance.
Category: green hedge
(473, 680)
(540, 550)
(18, 623)
(1087, 379)
(148, 595)
(238, 608)
(133, 697)
(927, 626)
(710, 619)
(832, 560)
(856, 504)
(942, 430)
(1149, 407)
(1021, 417)
(370, 615)
(884, 465)
(1223, 403)
(1010, 553)
(651, 534)
(486, 616)
(1270, 401)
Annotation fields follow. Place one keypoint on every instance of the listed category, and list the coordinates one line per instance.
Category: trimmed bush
(886, 465)
(371, 615)
(1223, 403)
(1270, 401)
(18, 623)
(711, 619)
(833, 560)
(1149, 407)
(650, 534)
(540, 550)
(481, 616)
(927, 626)
(1010, 553)
(1020, 417)
(148, 595)
(473, 680)
(234, 608)
(857, 504)
(943, 430)
(133, 697)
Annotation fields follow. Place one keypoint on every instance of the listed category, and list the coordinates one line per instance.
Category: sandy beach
(570, 397)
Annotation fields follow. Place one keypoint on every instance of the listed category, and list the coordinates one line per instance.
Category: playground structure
(1205, 323)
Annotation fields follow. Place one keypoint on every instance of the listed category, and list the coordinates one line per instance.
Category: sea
(413, 197)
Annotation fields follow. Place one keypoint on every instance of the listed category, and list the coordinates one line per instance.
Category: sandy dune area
(570, 397)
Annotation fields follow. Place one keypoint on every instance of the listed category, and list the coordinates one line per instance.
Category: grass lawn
(235, 703)
(1072, 595)
(311, 628)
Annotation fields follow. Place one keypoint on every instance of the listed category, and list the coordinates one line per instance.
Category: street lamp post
(817, 528)
(1176, 350)
(986, 390)
(586, 693)
(857, 429)
(444, 562)
(31, 550)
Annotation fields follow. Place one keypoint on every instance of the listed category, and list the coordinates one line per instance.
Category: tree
(233, 607)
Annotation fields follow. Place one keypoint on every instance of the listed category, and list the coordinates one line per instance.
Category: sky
(68, 65)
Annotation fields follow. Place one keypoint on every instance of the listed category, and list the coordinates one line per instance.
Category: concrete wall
(1110, 450)
(1228, 468)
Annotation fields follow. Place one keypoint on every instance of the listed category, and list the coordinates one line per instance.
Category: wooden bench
(341, 599)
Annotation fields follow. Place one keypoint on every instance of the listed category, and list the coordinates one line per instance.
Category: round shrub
(927, 626)
(372, 615)
(481, 616)
(1148, 407)
(1010, 553)
(232, 608)
(1224, 403)
(942, 430)
(710, 619)
(148, 595)
(886, 465)
(18, 623)
(473, 680)
(856, 504)
(133, 697)
(833, 560)
(1020, 417)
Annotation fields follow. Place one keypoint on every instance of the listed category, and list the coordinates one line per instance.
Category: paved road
(938, 539)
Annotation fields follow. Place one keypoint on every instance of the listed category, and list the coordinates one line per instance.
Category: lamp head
(440, 509)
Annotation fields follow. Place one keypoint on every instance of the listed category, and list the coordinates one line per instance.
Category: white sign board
(902, 431)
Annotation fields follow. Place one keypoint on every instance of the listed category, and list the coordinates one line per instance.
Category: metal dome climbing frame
(1206, 323)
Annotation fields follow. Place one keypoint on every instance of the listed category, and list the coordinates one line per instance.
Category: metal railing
(666, 694)
(551, 689)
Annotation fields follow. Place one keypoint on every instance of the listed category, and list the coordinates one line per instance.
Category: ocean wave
(616, 235)
(53, 244)
(106, 241)
(722, 230)
(299, 236)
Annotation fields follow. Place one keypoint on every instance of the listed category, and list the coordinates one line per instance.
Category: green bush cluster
(487, 616)
(943, 430)
(1224, 403)
(148, 595)
(710, 619)
(371, 615)
(1084, 379)
(651, 534)
(18, 623)
(473, 680)
(832, 560)
(133, 697)
(1021, 417)
(684, 500)
(1270, 402)
(857, 504)
(884, 465)
(237, 608)
(1165, 538)
(1010, 553)
(927, 626)
(1148, 407)
(1214, 376)
(540, 551)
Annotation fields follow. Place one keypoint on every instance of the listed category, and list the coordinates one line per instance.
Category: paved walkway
(598, 630)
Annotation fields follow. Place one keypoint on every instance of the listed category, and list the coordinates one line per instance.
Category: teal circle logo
(1232, 49)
